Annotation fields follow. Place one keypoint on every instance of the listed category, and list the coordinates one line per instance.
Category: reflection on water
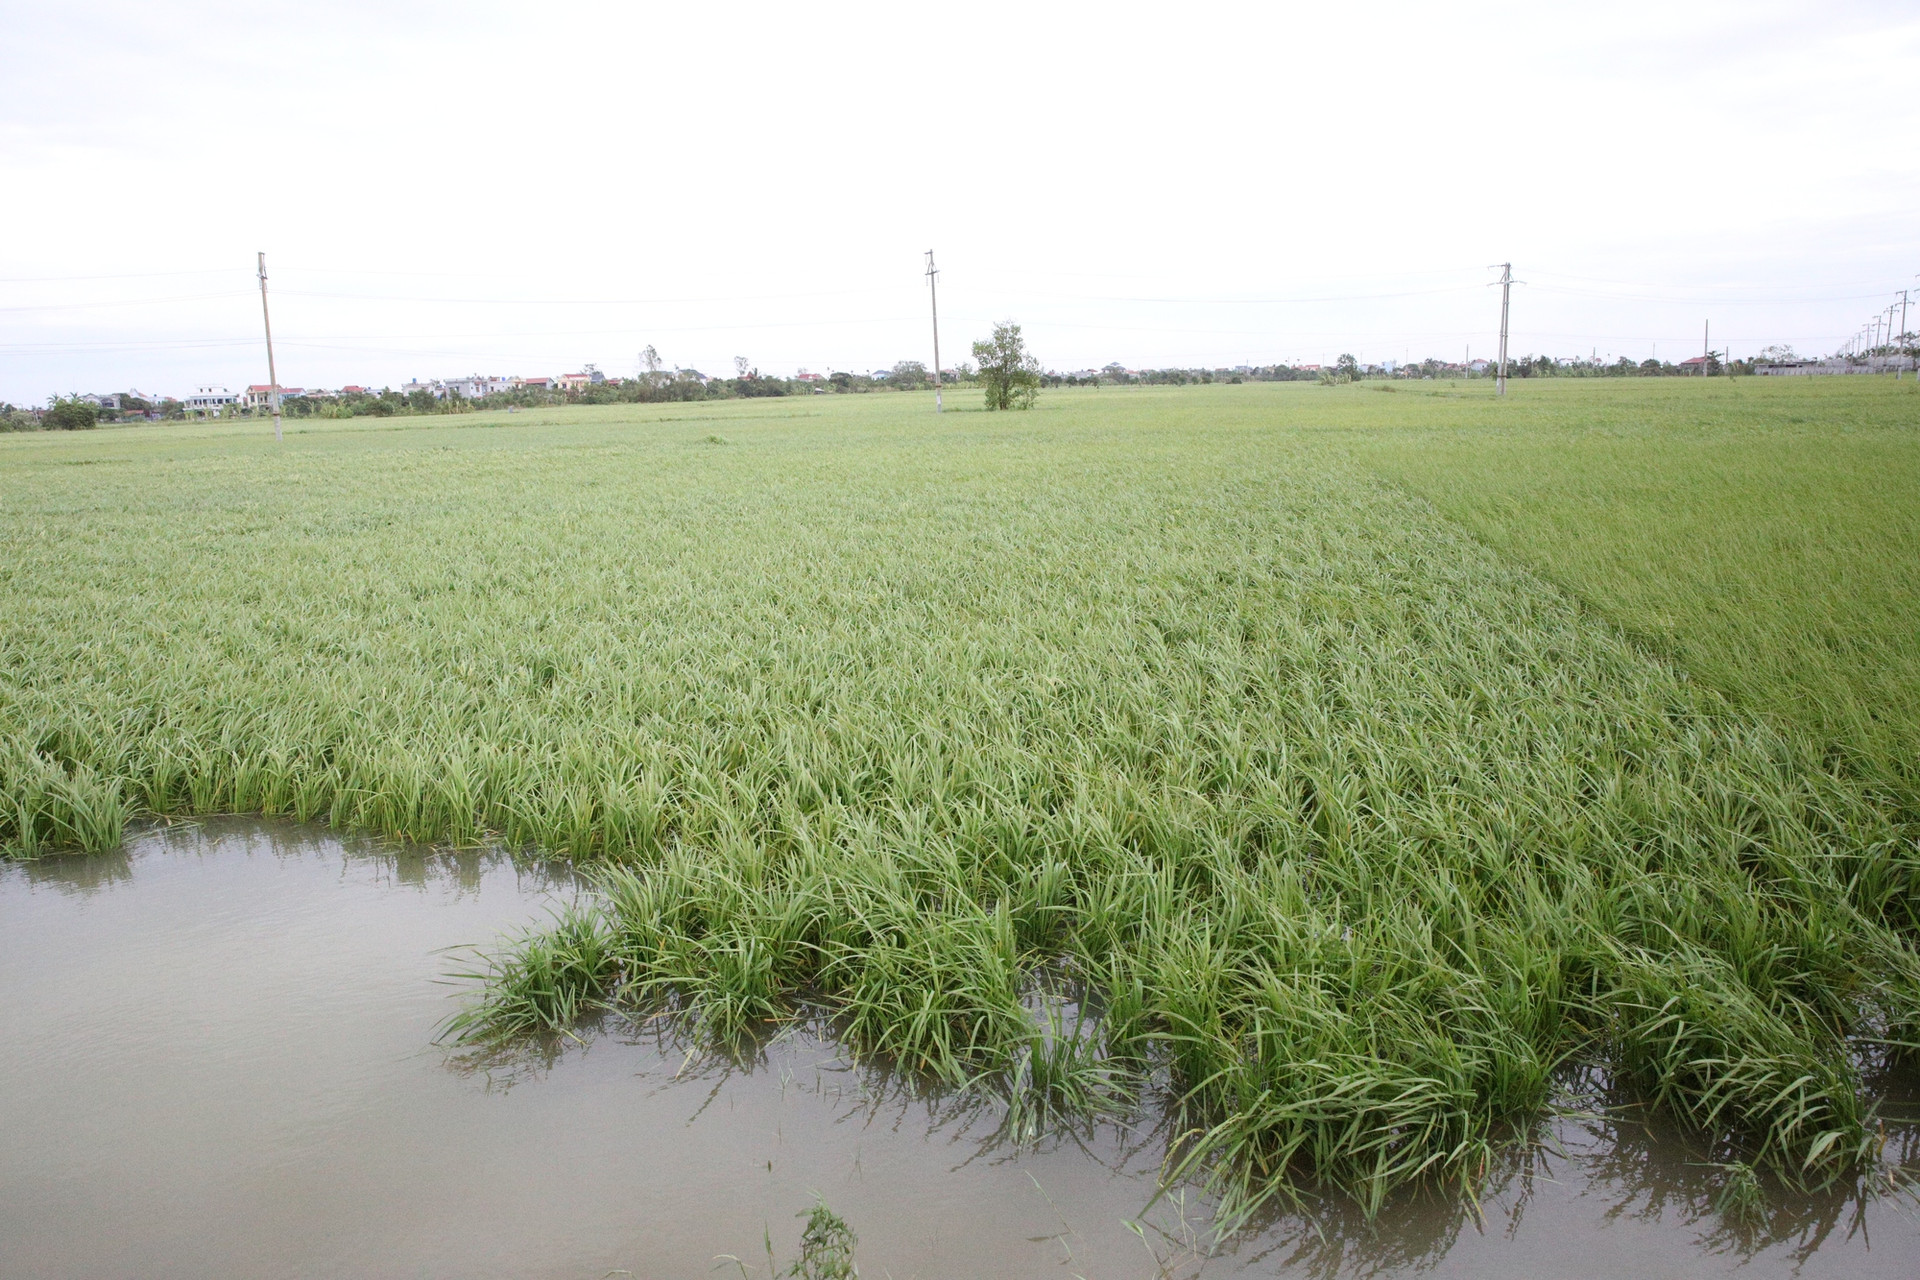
(220, 1060)
(375, 860)
(78, 875)
(1599, 1154)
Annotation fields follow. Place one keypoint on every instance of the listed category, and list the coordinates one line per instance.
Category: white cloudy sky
(444, 188)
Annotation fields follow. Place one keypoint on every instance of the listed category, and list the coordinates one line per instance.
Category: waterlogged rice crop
(1141, 738)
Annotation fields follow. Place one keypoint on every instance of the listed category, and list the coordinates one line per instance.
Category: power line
(123, 275)
(128, 302)
(581, 302)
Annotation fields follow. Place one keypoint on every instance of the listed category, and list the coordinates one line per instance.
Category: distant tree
(1779, 353)
(70, 413)
(1650, 368)
(1008, 372)
(841, 381)
(651, 368)
(907, 375)
(740, 366)
(752, 384)
(1348, 365)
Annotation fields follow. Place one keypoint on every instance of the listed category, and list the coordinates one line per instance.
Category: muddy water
(217, 1059)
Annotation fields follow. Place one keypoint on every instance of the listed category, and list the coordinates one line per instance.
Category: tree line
(1002, 369)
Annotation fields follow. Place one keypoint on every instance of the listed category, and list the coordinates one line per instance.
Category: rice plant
(1348, 828)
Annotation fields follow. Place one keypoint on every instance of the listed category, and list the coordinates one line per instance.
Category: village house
(260, 395)
(210, 400)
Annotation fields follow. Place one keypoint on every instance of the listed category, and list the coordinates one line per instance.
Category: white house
(260, 395)
(211, 400)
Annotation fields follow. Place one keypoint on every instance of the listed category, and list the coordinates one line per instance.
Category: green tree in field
(907, 375)
(1010, 374)
(1347, 365)
(71, 413)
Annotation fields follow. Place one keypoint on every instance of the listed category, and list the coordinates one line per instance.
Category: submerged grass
(1350, 829)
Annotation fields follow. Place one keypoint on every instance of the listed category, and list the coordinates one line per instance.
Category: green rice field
(1343, 764)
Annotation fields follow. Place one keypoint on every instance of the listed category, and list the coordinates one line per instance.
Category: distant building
(478, 386)
(210, 400)
(576, 381)
(260, 395)
(1821, 368)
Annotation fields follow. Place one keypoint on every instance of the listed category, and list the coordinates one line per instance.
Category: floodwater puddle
(219, 1060)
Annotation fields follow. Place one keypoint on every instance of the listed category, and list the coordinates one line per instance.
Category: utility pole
(273, 378)
(1899, 366)
(933, 293)
(1506, 294)
(1706, 346)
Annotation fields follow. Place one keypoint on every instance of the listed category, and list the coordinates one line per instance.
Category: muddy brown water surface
(219, 1059)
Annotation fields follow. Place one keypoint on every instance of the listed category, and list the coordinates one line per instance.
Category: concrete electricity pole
(1706, 346)
(273, 378)
(1506, 295)
(933, 292)
(1899, 365)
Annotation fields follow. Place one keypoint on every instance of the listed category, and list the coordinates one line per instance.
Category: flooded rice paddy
(220, 1059)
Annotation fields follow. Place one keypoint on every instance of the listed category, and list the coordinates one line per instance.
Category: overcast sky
(443, 189)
